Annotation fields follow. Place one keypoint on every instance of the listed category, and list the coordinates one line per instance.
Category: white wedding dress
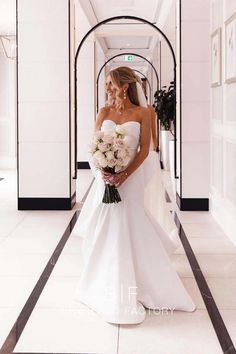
(125, 248)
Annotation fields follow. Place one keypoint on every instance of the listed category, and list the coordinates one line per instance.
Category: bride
(126, 247)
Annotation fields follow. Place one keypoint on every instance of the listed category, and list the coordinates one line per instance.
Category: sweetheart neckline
(129, 121)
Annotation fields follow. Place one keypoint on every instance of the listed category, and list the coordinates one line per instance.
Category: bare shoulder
(151, 108)
(103, 112)
(152, 111)
(144, 114)
(142, 109)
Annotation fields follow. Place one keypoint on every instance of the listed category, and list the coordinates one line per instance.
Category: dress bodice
(132, 129)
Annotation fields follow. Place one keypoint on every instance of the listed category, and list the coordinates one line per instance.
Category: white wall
(7, 112)
(223, 132)
(195, 81)
(90, 60)
(167, 64)
(156, 63)
(85, 99)
(7, 90)
(85, 86)
(43, 83)
(99, 61)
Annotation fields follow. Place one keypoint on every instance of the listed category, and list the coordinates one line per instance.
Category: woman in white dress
(126, 250)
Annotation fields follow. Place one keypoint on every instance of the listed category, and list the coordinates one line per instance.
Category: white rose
(103, 147)
(126, 160)
(108, 139)
(103, 162)
(98, 155)
(110, 155)
(121, 153)
(111, 163)
(120, 129)
(118, 143)
(120, 162)
(118, 168)
(92, 147)
(98, 135)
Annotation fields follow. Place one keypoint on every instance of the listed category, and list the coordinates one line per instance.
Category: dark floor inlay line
(18, 327)
(213, 311)
(1, 179)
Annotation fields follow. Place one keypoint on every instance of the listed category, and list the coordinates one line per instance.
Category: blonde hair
(125, 75)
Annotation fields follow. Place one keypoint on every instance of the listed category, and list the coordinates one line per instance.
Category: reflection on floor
(61, 324)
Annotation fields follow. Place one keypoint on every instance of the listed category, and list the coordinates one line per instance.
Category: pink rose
(119, 144)
(108, 139)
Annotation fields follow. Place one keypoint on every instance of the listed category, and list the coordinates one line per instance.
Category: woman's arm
(100, 117)
(145, 136)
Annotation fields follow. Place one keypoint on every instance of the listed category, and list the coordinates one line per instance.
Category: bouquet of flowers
(110, 153)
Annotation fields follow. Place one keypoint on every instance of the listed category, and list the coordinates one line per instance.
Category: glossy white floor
(60, 324)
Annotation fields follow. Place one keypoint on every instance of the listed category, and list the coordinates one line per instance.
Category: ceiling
(128, 42)
(128, 35)
(118, 36)
(104, 9)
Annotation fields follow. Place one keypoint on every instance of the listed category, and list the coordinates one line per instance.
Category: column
(194, 116)
(44, 114)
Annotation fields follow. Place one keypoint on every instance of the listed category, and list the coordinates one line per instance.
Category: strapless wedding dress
(126, 247)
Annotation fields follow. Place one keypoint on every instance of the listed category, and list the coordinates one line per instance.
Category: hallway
(58, 323)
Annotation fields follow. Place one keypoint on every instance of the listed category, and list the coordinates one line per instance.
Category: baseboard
(192, 204)
(83, 165)
(46, 203)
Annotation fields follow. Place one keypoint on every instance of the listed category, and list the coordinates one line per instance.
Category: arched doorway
(75, 77)
(118, 55)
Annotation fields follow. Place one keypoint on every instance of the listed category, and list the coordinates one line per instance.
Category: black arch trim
(75, 73)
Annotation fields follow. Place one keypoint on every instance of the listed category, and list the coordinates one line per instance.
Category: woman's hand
(114, 179)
